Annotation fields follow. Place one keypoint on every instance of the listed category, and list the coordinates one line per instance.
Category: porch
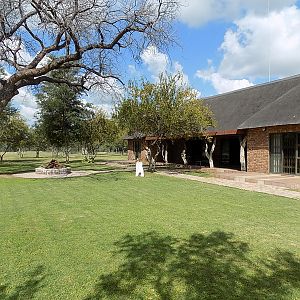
(276, 180)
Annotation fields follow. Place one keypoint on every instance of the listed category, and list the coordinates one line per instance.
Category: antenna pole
(269, 58)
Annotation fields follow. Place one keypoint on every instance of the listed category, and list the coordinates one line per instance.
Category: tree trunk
(155, 158)
(67, 153)
(164, 152)
(2, 155)
(183, 157)
(83, 151)
(91, 153)
(209, 154)
(152, 159)
(7, 92)
(149, 158)
(21, 153)
(243, 142)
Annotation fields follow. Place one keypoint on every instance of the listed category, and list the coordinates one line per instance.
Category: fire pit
(53, 168)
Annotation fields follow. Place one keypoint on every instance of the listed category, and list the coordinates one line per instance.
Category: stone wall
(131, 153)
(258, 146)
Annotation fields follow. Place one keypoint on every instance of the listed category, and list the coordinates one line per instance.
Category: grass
(115, 236)
(14, 164)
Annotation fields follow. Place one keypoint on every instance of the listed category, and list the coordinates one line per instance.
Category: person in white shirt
(139, 170)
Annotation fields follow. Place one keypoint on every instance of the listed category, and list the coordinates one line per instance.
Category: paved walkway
(257, 187)
(34, 175)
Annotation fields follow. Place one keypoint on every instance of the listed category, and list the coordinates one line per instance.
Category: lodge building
(258, 130)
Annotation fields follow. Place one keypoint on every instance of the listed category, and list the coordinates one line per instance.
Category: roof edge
(252, 87)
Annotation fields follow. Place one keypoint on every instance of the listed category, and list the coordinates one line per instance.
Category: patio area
(274, 184)
(278, 180)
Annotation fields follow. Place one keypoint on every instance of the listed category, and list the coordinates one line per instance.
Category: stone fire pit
(53, 168)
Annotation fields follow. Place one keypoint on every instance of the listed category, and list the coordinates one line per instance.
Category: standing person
(139, 171)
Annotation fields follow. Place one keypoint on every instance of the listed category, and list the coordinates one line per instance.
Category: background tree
(38, 140)
(13, 130)
(168, 109)
(87, 34)
(117, 143)
(97, 129)
(60, 112)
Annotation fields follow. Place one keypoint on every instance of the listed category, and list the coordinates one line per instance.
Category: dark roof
(270, 104)
(135, 136)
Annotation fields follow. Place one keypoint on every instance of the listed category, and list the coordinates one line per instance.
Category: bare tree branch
(39, 36)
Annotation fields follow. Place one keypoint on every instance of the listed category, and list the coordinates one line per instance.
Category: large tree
(13, 130)
(37, 139)
(96, 130)
(60, 112)
(168, 109)
(88, 34)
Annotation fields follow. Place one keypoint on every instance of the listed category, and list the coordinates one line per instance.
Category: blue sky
(224, 45)
(229, 44)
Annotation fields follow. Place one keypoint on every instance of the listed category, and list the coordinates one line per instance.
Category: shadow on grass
(214, 266)
(27, 290)
(27, 165)
(110, 175)
(18, 167)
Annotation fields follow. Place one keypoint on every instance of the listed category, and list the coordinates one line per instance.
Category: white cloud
(28, 113)
(197, 12)
(221, 84)
(257, 40)
(14, 45)
(156, 62)
(178, 69)
(106, 95)
(25, 101)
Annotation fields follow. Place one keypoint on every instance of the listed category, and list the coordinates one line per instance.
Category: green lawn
(14, 164)
(115, 236)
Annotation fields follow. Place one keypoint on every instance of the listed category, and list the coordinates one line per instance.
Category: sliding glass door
(276, 153)
(289, 152)
(285, 153)
(298, 155)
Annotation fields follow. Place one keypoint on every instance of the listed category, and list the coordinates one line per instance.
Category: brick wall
(131, 154)
(258, 146)
(130, 151)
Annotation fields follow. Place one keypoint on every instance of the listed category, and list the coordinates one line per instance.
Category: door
(298, 155)
(285, 153)
(289, 153)
(276, 153)
(137, 148)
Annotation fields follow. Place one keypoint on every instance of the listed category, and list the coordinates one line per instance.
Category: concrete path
(33, 175)
(256, 187)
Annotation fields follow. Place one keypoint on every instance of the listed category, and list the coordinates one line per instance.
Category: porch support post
(164, 152)
(209, 154)
(243, 142)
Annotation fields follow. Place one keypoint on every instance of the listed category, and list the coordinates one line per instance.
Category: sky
(223, 45)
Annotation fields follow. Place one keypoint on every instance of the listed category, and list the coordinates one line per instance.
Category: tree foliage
(60, 112)
(13, 130)
(38, 140)
(87, 34)
(169, 109)
(97, 129)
